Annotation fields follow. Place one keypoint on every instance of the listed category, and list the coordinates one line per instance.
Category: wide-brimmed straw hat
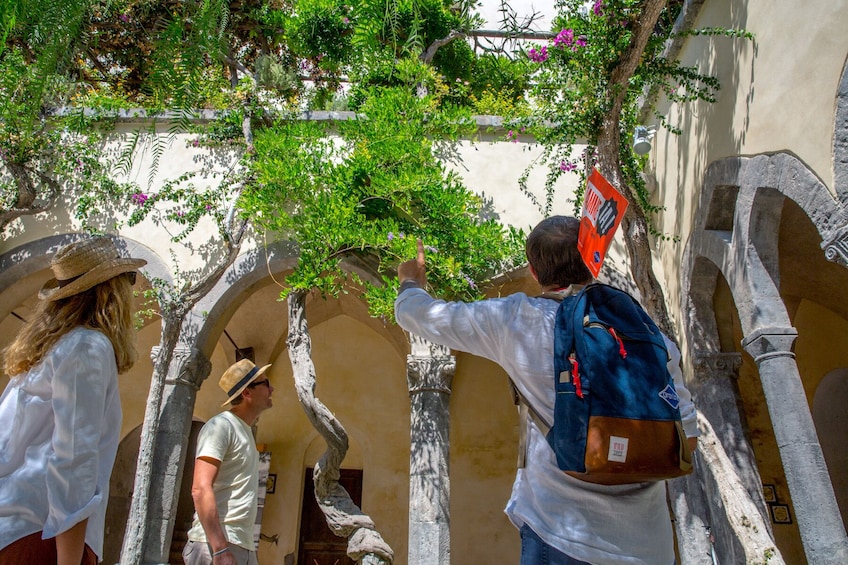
(238, 377)
(84, 264)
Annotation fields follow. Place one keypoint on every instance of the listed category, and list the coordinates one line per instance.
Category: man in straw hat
(226, 473)
(60, 415)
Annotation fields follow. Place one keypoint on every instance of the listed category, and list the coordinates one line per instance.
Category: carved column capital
(188, 367)
(429, 368)
(836, 250)
(711, 366)
(766, 343)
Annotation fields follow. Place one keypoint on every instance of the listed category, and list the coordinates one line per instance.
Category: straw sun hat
(238, 377)
(84, 264)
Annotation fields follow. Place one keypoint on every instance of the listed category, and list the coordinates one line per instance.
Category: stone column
(189, 367)
(429, 370)
(822, 530)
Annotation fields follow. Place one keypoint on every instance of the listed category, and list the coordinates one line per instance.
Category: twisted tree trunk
(634, 224)
(345, 519)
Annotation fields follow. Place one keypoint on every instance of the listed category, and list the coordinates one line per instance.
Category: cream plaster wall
(822, 344)
(491, 167)
(484, 450)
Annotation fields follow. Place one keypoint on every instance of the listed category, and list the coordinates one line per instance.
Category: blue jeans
(536, 552)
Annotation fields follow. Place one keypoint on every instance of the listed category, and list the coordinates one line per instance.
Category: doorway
(318, 545)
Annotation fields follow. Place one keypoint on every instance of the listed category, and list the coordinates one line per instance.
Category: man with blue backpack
(592, 372)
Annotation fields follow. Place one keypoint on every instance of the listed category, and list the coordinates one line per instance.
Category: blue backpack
(616, 416)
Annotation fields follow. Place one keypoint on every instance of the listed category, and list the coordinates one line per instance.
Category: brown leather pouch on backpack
(620, 451)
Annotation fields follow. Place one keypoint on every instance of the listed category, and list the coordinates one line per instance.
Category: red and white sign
(603, 209)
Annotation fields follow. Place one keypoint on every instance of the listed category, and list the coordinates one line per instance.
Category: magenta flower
(564, 38)
(139, 198)
(124, 18)
(539, 56)
(512, 136)
(598, 8)
(581, 42)
(567, 166)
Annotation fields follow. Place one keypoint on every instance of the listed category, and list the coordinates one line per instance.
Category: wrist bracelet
(221, 551)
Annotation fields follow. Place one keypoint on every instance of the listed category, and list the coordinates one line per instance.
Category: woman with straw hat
(60, 415)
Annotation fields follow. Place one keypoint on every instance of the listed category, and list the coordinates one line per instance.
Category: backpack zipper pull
(575, 376)
(621, 350)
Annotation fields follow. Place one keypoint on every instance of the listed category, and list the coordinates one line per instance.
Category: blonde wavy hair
(106, 307)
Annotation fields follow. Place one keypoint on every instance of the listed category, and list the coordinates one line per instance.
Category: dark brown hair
(551, 249)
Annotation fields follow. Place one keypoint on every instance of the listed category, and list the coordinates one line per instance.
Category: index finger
(420, 252)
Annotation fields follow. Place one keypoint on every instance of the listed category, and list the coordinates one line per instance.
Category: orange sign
(603, 209)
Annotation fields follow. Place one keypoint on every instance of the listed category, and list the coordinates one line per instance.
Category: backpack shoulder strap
(525, 410)
(525, 413)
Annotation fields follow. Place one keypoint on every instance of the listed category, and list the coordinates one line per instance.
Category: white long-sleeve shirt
(604, 525)
(60, 425)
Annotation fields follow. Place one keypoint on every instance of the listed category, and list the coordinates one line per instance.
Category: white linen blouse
(60, 424)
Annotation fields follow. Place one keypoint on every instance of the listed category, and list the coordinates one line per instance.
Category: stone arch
(249, 275)
(761, 183)
(250, 269)
(745, 251)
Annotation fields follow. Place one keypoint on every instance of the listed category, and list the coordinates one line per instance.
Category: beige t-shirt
(228, 438)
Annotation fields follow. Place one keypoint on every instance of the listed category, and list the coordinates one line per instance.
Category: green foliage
(321, 29)
(369, 196)
(360, 193)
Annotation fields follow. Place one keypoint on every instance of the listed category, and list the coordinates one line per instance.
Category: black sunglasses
(257, 383)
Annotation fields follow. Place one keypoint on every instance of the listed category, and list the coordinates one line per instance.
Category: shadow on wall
(832, 427)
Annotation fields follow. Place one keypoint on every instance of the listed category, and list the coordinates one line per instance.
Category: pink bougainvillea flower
(598, 8)
(540, 55)
(139, 198)
(567, 167)
(564, 38)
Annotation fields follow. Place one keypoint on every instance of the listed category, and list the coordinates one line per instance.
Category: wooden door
(318, 545)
